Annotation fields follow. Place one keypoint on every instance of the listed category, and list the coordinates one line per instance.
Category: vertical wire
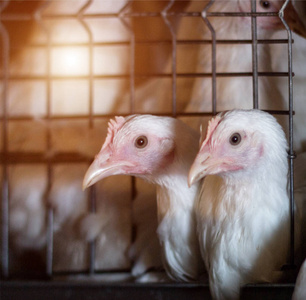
(132, 56)
(174, 52)
(5, 180)
(132, 105)
(50, 220)
(291, 154)
(213, 57)
(132, 110)
(132, 74)
(50, 212)
(254, 55)
(50, 229)
(90, 45)
(92, 244)
(92, 204)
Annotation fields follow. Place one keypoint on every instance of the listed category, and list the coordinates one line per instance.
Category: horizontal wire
(42, 158)
(127, 43)
(74, 157)
(145, 75)
(101, 116)
(29, 17)
(97, 271)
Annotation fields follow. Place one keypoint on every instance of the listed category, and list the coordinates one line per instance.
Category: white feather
(175, 206)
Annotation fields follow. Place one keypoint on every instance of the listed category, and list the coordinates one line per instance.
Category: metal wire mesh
(41, 17)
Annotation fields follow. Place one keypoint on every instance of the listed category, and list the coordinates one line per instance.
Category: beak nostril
(205, 160)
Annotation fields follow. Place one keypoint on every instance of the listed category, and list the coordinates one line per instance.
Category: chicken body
(243, 217)
(235, 92)
(160, 150)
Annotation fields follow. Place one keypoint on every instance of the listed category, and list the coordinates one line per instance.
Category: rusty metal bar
(5, 179)
(50, 213)
(254, 55)
(164, 14)
(291, 153)
(213, 76)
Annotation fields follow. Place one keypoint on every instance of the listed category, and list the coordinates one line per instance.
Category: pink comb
(113, 128)
(212, 125)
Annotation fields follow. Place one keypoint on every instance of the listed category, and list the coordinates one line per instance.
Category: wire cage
(66, 68)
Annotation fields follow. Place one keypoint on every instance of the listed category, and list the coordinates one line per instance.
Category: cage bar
(5, 183)
(254, 55)
(164, 14)
(50, 213)
(291, 154)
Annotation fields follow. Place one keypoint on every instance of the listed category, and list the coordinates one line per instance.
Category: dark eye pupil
(235, 139)
(141, 142)
(264, 4)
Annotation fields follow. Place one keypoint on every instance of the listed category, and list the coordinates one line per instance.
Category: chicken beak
(198, 170)
(208, 164)
(100, 169)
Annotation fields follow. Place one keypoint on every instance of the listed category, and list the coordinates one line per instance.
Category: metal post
(291, 154)
(213, 57)
(254, 55)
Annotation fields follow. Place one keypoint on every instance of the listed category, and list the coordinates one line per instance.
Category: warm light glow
(70, 61)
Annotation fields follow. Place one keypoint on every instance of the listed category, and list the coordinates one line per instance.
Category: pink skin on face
(122, 155)
(219, 155)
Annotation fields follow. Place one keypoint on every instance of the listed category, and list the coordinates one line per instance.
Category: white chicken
(243, 218)
(193, 93)
(160, 150)
(237, 91)
(112, 237)
(31, 191)
(30, 199)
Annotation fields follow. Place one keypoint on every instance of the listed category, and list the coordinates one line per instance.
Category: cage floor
(94, 290)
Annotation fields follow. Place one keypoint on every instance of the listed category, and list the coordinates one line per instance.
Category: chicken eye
(235, 139)
(264, 4)
(141, 142)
